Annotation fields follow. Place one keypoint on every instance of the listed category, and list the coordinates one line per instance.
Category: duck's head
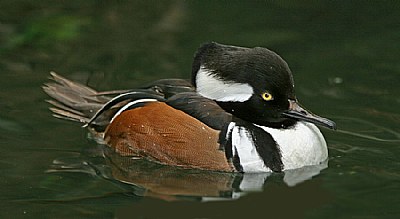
(254, 84)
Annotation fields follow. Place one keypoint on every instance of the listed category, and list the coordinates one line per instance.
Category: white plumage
(301, 145)
(214, 88)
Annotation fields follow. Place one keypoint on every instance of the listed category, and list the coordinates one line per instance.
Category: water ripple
(367, 125)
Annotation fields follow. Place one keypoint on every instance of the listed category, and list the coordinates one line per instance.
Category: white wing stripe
(129, 105)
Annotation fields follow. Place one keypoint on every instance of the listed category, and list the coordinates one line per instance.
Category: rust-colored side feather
(161, 133)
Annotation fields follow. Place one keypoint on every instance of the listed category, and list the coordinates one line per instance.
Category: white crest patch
(214, 88)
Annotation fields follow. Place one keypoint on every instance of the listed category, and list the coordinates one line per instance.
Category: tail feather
(62, 114)
(77, 102)
(60, 106)
(78, 88)
(72, 100)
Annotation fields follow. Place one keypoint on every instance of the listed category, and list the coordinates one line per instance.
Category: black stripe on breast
(225, 142)
(265, 145)
(236, 162)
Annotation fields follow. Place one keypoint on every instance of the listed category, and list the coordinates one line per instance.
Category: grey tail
(74, 101)
(80, 103)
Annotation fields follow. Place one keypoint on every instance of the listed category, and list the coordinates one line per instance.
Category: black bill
(297, 112)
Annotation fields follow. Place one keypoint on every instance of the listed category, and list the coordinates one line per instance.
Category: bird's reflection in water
(172, 183)
(144, 178)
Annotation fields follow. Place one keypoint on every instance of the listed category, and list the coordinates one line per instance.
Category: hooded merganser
(239, 113)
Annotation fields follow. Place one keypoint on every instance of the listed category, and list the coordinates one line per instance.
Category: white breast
(302, 145)
(242, 144)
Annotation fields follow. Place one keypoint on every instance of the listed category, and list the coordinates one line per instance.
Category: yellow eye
(267, 96)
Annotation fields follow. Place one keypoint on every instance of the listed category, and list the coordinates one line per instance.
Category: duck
(237, 113)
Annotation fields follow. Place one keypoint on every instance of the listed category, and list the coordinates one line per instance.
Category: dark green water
(345, 58)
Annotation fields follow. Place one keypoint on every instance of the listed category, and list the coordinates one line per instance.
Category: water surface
(344, 57)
